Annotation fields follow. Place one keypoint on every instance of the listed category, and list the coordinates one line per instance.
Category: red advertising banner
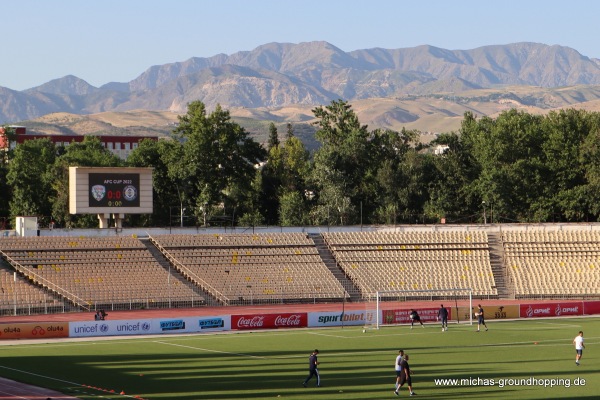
(591, 307)
(551, 309)
(269, 321)
(403, 316)
(40, 330)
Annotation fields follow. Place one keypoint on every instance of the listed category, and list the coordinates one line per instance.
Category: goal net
(393, 307)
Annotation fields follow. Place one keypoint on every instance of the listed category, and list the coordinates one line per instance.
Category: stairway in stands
(331, 264)
(162, 260)
(497, 263)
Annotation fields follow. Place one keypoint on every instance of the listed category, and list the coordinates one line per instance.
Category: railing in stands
(189, 274)
(39, 280)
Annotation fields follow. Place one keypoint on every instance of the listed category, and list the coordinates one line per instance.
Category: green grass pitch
(497, 364)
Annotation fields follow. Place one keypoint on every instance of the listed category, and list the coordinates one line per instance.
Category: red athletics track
(15, 390)
(270, 308)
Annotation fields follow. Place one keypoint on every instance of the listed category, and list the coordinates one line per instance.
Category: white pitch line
(334, 336)
(208, 350)
(555, 324)
(41, 376)
(13, 396)
(57, 380)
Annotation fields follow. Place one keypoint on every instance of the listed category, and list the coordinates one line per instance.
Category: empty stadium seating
(19, 291)
(559, 263)
(415, 261)
(209, 269)
(253, 267)
(96, 271)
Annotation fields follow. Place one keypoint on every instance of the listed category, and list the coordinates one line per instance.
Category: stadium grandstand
(68, 270)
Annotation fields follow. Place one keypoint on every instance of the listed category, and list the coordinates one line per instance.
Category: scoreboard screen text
(114, 190)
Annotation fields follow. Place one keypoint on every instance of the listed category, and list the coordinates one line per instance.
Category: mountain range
(284, 81)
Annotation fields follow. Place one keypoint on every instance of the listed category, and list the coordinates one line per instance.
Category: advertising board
(403, 316)
(491, 311)
(153, 326)
(533, 310)
(337, 318)
(269, 321)
(40, 330)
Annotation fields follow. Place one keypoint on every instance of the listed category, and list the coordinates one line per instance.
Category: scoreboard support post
(104, 220)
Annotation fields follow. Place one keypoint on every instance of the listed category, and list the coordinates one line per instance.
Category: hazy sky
(117, 40)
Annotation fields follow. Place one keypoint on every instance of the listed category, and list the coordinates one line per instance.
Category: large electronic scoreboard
(111, 190)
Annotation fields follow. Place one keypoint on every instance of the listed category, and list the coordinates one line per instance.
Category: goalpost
(386, 309)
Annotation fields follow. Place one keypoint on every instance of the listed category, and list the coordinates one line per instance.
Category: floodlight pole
(484, 216)
(15, 290)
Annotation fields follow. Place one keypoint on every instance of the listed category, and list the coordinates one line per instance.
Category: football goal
(388, 307)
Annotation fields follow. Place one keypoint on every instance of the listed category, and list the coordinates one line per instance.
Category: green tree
(163, 156)
(6, 135)
(296, 165)
(218, 161)
(273, 137)
(453, 171)
(342, 165)
(511, 170)
(289, 131)
(590, 157)
(30, 177)
(286, 171)
(292, 209)
(398, 188)
(568, 160)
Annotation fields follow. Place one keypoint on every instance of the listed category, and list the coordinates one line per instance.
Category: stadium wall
(144, 232)
(282, 320)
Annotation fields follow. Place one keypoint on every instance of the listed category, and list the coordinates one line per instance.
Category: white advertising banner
(338, 318)
(152, 326)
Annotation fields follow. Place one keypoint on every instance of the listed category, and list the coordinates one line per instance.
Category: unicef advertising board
(154, 326)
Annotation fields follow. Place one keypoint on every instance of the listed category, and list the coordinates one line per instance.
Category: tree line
(516, 167)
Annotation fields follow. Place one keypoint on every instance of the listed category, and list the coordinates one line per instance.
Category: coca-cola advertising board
(269, 321)
(403, 316)
(551, 309)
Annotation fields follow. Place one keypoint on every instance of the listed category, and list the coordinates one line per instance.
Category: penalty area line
(208, 350)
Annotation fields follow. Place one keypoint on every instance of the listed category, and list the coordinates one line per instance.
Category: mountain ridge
(276, 75)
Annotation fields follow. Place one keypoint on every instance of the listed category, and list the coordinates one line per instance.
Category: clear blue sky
(117, 40)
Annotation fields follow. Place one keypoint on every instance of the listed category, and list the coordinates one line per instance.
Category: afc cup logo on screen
(130, 193)
(98, 192)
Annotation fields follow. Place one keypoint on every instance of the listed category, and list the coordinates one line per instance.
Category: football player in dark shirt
(414, 317)
(443, 315)
(405, 376)
(313, 362)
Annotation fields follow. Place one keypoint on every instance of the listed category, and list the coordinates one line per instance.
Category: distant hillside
(281, 75)
(429, 114)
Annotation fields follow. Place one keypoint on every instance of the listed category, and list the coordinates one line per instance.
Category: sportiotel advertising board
(333, 318)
